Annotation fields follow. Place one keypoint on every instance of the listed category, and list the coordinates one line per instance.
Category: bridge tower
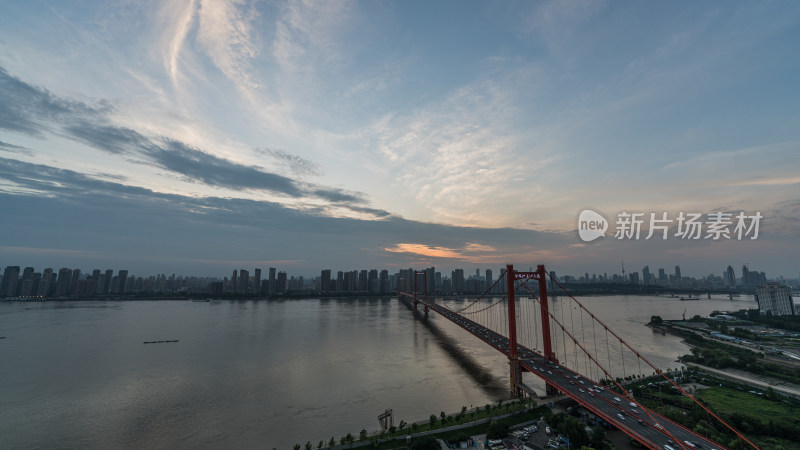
(540, 275)
(513, 357)
(424, 274)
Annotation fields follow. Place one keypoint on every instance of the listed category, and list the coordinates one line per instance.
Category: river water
(259, 374)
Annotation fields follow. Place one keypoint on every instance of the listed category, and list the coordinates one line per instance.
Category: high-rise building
(459, 283)
(646, 275)
(257, 282)
(372, 281)
(62, 285)
(271, 280)
(489, 278)
(49, 282)
(122, 280)
(325, 280)
(340, 281)
(73, 284)
(384, 281)
(280, 283)
(775, 299)
(10, 281)
(244, 281)
(107, 284)
(678, 273)
(43, 290)
(27, 282)
(730, 277)
(233, 281)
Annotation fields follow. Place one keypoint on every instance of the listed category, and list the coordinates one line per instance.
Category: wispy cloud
(36, 111)
(297, 164)
(225, 32)
(12, 148)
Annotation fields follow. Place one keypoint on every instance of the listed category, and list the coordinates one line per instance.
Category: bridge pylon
(541, 277)
(424, 274)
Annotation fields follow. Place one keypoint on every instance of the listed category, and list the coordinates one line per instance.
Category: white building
(776, 299)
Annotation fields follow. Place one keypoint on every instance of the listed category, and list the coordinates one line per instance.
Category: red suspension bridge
(575, 354)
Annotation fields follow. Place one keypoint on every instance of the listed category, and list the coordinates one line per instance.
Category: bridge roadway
(624, 414)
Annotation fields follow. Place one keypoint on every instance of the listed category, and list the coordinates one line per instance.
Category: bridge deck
(649, 429)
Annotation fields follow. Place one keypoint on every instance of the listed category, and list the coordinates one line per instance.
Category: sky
(195, 137)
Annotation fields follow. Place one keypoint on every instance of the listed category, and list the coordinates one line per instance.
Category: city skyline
(66, 282)
(215, 135)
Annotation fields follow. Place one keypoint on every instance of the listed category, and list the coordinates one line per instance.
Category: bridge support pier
(516, 377)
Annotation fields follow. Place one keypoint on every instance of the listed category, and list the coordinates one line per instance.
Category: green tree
(402, 424)
(656, 320)
(309, 445)
(332, 442)
(296, 447)
(496, 430)
(426, 443)
(433, 420)
(443, 417)
(362, 435)
(392, 429)
(320, 444)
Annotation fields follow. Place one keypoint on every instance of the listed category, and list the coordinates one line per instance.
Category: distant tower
(257, 282)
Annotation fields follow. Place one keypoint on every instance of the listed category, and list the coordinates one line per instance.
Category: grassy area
(722, 356)
(770, 420)
(729, 401)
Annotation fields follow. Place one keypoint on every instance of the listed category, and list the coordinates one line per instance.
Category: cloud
(27, 109)
(36, 110)
(225, 31)
(297, 164)
(466, 253)
(425, 250)
(120, 221)
(206, 168)
(108, 138)
(12, 148)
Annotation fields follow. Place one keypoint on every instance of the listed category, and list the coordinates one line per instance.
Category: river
(259, 374)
